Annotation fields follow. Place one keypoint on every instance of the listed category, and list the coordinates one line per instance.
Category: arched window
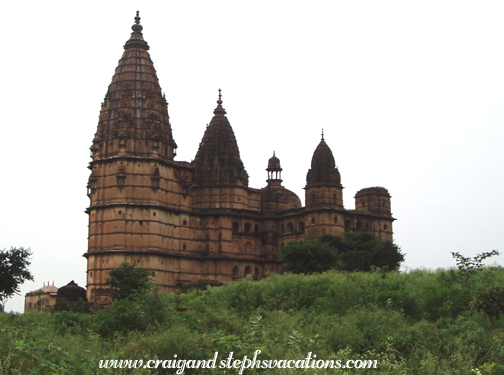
(236, 227)
(256, 229)
(248, 270)
(335, 219)
(301, 226)
(313, 220)
(236, 271)
(359, 225)
(348, 225)
(290, 227)
(257, 274)
(282, 228)
(367, 226)
(248, 227)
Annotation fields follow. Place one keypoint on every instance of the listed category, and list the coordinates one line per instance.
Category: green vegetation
(470, 266)
(412, 323)
(129, 281)
(354, 251)
(13, 272)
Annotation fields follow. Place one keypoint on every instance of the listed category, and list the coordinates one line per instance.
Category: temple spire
(219, 111)
(217, 162)
(323, 169)
(134, 111)
(136, 40)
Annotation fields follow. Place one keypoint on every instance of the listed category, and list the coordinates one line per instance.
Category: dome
(276, 198)
(375, 190)
(72, 292)
(274, 163)
(68, 294)
(323, 167)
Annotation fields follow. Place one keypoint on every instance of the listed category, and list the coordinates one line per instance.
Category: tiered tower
(323, 181)
(133, 187)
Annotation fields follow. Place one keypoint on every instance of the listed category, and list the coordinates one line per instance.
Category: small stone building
(41, 299)
(198, 220)
(68, 294)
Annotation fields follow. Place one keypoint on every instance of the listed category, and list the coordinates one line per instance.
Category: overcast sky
(410, 96)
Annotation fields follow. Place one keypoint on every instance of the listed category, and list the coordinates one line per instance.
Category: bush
(354, 251)
(140, 312)
(490, 301)
(202, 284)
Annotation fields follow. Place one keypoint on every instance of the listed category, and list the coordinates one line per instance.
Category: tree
(308, 256)
(354, 251)
(470, 266)
(127, 281)
(362, 251)
(137, 304)
(13, 271)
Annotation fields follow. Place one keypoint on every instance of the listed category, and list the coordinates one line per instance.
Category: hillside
(419, 322)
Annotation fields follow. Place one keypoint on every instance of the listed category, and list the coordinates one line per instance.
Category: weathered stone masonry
(198, 220)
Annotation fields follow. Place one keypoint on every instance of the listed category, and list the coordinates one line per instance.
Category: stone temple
(198, 220)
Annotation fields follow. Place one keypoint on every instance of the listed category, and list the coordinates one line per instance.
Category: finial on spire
(219, 110)
(322, 133)
(273, 152)
(136, 40)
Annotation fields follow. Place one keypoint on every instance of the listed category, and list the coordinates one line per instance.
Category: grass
(419, 322)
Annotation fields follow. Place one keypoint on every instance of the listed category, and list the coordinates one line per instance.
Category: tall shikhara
(199, 220)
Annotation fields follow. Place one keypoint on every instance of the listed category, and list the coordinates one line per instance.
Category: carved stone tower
(323, 181)
(376, 202)
(131, 168)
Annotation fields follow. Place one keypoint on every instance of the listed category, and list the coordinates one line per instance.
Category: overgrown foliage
(419, 323)
(354, 251)
(202, 284)
(127, 281)
(13, 271)
(490, 301)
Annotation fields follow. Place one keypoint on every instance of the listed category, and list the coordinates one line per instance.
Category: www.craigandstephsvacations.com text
(310, 361)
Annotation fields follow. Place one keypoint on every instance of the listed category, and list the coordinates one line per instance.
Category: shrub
(202, 284)
(490, 301)
(140, 312)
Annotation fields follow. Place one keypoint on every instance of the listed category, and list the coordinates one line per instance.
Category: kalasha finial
(322, 133)
(273, 152)
(219, 110)
(136, 40)
(137, 27)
